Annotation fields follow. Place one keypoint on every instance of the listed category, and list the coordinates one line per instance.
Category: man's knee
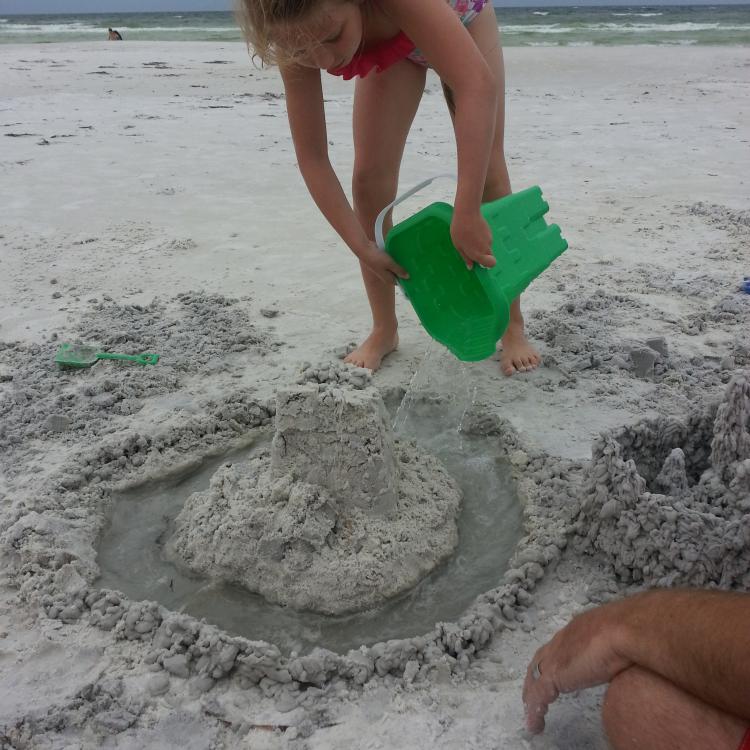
(627, 696)
(642, 709)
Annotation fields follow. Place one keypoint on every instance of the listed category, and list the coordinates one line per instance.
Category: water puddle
(131, 550)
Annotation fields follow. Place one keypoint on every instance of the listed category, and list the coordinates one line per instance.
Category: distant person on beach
(677, 663)
(388, 45)
(114, 35)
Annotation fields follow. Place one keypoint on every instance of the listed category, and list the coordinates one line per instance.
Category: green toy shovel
(84, 355)
(469, 310)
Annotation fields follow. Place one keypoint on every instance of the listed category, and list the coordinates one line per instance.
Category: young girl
(388, 45)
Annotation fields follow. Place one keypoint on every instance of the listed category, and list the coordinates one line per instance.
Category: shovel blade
(76, 355)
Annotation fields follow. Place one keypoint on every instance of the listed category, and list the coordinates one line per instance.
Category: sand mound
(668, 502)
(336, 518)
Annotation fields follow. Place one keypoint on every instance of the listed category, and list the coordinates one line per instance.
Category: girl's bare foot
(517, 355)
(371, 352)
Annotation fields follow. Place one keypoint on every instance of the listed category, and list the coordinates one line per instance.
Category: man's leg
(643, 711)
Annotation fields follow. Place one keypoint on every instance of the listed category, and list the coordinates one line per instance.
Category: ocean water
(543, 26)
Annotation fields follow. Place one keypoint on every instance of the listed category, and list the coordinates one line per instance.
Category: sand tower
(336, 517)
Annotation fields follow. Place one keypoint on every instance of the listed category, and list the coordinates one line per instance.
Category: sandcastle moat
(327, 530)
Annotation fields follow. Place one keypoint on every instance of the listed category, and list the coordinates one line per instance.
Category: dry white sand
(144, 170)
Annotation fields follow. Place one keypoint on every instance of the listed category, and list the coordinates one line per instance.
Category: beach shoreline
(523, 26)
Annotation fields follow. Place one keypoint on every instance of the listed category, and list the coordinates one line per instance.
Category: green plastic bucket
(468, 310)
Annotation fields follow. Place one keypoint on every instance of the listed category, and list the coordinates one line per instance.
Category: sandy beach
(150, 198)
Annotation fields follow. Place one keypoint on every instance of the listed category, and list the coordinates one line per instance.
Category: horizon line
(694, 4)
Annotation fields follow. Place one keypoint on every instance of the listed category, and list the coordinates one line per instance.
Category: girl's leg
(517, 355)
(384, 108)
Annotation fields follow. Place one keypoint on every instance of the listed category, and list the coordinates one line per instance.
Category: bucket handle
(379, 239)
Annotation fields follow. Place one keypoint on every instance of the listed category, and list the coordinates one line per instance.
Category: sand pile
(337, 517)
(198, 335)
(668, 501)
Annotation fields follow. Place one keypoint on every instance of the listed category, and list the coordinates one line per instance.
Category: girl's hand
(381, 264)
(472, 238)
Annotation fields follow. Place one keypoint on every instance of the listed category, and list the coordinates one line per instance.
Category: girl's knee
(495, 189)
(497, 184)
(373, 186)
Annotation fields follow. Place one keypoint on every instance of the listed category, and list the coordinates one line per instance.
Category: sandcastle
(668, 502)
(336, 517)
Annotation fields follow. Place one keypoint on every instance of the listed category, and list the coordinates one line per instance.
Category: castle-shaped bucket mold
(468, 310)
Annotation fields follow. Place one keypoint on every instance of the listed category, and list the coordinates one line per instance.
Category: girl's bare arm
(304, 103)
(443, 40)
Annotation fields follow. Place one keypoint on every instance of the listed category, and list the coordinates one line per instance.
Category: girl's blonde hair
(257, 17)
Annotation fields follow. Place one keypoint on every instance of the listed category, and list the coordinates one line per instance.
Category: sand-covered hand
(581, 655)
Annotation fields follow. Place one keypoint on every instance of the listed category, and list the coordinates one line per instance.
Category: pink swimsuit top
(390, 51)
(380, 57)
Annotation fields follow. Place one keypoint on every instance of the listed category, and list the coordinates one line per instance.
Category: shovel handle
(379, 239)
(139, 359)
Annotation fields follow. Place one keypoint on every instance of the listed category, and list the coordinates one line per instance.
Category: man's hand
(381, 264)
(581, 655)
(472, 238)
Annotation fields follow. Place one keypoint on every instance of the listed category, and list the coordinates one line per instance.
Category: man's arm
(698, 640)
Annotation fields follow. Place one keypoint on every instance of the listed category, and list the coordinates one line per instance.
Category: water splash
(418, 379)
(439, 377)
